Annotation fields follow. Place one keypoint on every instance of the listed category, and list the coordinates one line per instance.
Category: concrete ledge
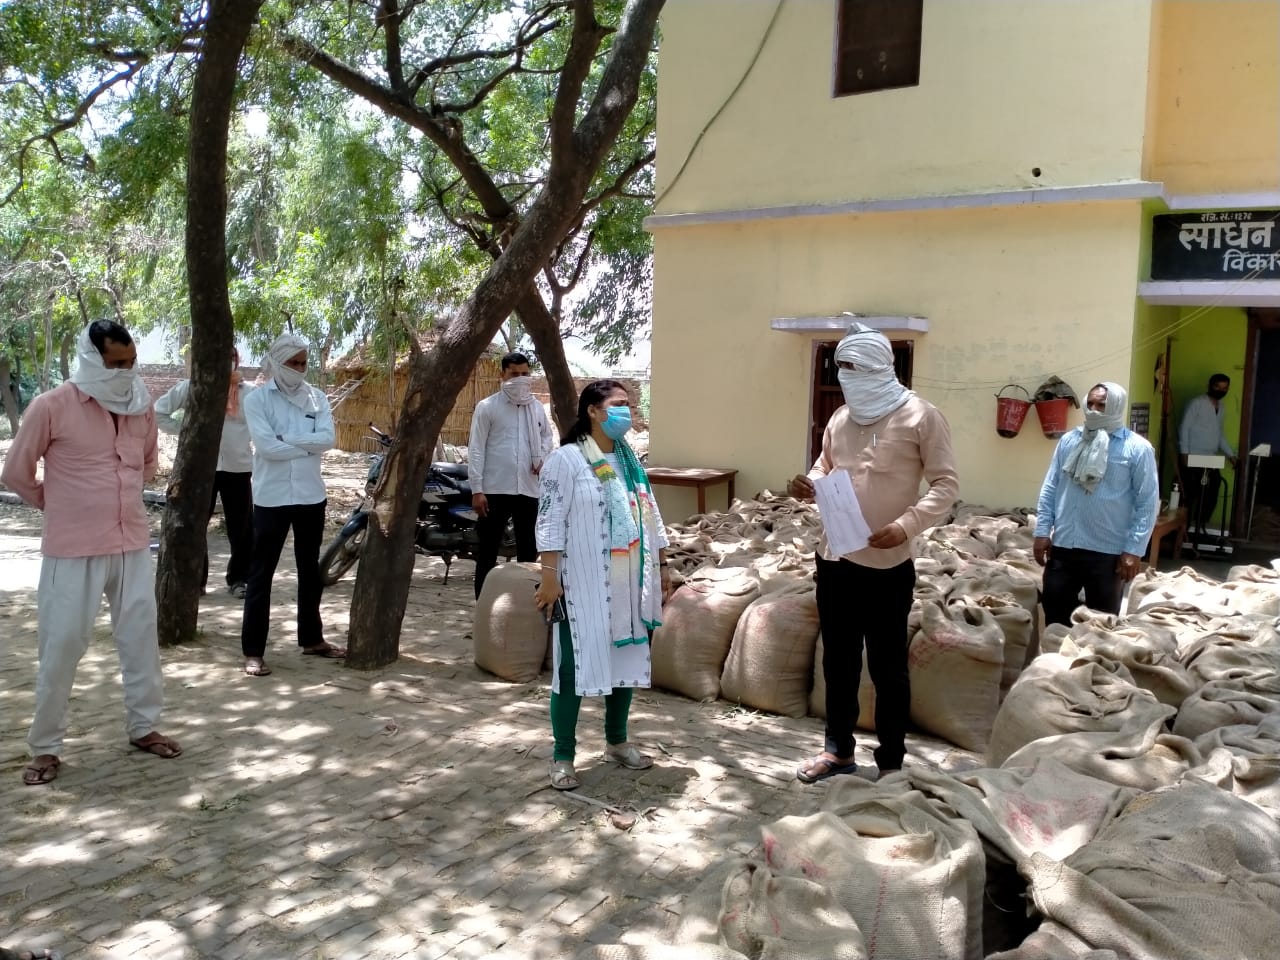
(1085, 193)
(839, 324)
(1218, 293)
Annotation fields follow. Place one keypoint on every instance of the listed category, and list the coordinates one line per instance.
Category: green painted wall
(1151, 327)
(1210, 340)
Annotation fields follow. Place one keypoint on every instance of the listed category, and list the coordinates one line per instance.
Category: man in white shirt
(233, 477)
(1201, 434)
(510, 437)
(291, 426)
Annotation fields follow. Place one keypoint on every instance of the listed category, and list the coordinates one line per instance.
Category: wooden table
(699, 477)
(1171, 521)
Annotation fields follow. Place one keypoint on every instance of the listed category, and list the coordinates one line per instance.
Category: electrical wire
(764, 39)
(963, 386)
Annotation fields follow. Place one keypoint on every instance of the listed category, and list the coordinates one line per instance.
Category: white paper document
(841, 514)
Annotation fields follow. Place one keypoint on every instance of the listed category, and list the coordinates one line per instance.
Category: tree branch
(50, 134)
(444, 132)
(583, 44)
(389, 19)
(431, 67)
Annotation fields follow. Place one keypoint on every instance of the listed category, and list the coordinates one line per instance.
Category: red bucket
(1011, 411)
(1053, 416)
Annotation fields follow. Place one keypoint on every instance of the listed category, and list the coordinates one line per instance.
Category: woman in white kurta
(602, 547)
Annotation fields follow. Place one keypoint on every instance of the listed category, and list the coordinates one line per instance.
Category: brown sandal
(41, 770)
(157, 744)
(326, 650)
(823, 766)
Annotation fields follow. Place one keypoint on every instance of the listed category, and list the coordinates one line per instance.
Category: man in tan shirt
(888, 440)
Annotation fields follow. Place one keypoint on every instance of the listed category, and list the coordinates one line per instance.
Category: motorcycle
(446, 524)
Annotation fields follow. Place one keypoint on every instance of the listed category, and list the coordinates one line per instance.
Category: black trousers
(503, 507)
(270, 527)
(1202, 497)
(236, 490)
(858, 605)
(1070, 571)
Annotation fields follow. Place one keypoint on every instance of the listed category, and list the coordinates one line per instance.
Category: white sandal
(627, 755)
(563, 776)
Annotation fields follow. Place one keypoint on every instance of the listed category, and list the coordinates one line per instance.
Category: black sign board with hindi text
(1140, 419)
(1216, 245)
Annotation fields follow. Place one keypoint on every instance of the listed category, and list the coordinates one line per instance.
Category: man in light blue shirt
(1201, 433)
(1097, 509)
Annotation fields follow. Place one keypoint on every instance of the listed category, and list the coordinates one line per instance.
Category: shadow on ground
(325, 813)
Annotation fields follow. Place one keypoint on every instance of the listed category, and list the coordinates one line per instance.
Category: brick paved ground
(325, 813)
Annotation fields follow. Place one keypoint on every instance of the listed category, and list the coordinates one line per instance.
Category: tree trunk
(64, 355)
(545, 333)
(436, 378)
(8, 394)
(186, 515)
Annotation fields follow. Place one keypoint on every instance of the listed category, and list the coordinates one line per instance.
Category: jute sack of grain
(866, 690)
(770, 664)
(1251, 777)
(1186, 873)
(1153, 665)
(510, 635)
(1235, 697)
(988, 530)
(943, 556)
(1150, 587)
(1056, 695)
(979, 578)
(1187, 624)
(690, 647)
(748, 906)
(1019, 538)
(1016, 624)
(958, 539)
(1045, 807)
(1142, 758)
(956, 661)
(1246, 644)
(908, 871)
(688, 951)
(1255, 573)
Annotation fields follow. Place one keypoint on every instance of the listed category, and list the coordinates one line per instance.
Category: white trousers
(71, 591)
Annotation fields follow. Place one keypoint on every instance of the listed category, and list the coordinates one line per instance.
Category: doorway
(1257, 512)
(827, 396)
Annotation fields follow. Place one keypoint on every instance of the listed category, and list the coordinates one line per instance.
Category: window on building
(877, 45)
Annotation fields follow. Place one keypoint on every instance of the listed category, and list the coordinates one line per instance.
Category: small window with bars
(877, 45)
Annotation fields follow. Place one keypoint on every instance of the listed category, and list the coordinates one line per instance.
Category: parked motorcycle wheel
(340, 556)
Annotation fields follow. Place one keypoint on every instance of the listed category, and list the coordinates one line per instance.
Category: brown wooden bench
(699, 477)
(1171, 521)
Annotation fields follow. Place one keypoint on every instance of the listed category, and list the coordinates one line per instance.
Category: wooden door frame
(1259, 319)
(816, 348)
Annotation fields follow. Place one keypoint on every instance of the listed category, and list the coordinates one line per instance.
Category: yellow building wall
(1006, 86)
(1012, 295)
(1216, 96)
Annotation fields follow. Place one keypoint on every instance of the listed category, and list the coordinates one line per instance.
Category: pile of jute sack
(1130, 802)
(1130, 808)
(743, 623)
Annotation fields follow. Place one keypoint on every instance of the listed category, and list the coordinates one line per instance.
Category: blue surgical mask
(617, 422)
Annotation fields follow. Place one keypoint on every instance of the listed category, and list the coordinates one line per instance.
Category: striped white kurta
(571, 519)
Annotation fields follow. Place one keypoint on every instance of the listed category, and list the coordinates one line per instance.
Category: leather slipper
(158, 745)
(256, 667)
(41, 770)
(821, 767)
(326, 650)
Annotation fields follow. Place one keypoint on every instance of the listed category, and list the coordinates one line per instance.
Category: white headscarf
(872, 389)
(519, 391)
(1087, 463)
(291, 384)
(120, 391)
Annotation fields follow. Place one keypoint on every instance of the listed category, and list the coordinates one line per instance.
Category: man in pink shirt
(97, 437)
(888, 440)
